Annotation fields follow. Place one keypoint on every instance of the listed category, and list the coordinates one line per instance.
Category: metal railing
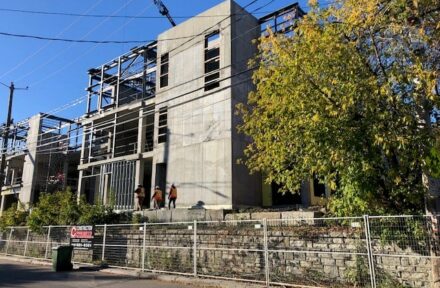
(369, 251)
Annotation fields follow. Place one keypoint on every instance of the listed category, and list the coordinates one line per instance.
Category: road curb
(26, 260)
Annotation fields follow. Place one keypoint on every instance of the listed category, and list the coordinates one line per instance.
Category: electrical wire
(232, 39)
(85, 53)
(77, 40)
(191, 38)
(62, 51)
(104, 16)
(38, 51)
(174, 98)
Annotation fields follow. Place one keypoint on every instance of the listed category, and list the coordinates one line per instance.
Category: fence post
(369, 251)
(9, 240)
(47, 242)
(26, 243)
(195, 247)
(143, 246)
(103, 244)
(266, 253)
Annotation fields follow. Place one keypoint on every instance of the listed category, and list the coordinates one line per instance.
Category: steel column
(118, 82)
(99, 104)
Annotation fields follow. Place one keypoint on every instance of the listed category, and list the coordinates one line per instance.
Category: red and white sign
(81, 232)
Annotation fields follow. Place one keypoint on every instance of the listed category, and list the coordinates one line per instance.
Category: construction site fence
(368, 251)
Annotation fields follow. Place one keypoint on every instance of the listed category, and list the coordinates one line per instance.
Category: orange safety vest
(157, 195)
(173, 193)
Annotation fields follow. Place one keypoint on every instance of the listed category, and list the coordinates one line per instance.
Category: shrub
(59, 208)
(97, 214)
(62, 208)
(14, 216)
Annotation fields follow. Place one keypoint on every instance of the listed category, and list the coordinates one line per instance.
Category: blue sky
(56, 72)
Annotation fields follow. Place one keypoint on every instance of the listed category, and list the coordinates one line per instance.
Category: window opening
(212, 60)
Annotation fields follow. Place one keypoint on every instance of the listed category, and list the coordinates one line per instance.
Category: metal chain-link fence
(368, 251)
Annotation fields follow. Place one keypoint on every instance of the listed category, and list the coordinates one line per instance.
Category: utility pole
(5, 135)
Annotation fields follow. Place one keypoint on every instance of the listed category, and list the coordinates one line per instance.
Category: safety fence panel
(17, 241)
(231, 250)
(122, 246)
(37, 243)
(4, 240)
(318, 252)
(169, 247)
(368, 251)
(405, 250)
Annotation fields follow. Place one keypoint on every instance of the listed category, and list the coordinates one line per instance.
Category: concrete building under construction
(42, 156)
(159, 114)
(164, 113)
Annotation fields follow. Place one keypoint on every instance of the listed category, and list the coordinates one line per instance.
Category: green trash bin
(62, 258)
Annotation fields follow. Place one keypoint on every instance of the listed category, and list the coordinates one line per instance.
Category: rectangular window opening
(212, 60)
(164, 69)
(162, 132)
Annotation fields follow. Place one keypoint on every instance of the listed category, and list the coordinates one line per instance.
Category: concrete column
(139, 174)
(83, 146)
(105, 189)
(30, 166)
(7, 168)
(142, 122)
(80, 184)
(90, 141)
(12, 176)
(2, 205)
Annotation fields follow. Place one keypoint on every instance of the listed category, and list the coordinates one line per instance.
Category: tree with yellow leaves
(352, 97)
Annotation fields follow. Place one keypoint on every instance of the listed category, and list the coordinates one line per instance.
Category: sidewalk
(136, 274)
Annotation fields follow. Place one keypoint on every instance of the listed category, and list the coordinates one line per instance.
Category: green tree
(353, 98)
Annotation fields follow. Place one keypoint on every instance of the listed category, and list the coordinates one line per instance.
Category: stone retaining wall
(335, 258)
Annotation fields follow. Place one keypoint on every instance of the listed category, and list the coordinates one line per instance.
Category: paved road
(14, 274)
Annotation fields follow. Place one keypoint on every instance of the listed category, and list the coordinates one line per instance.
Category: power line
(37, 37)
(191, 37)
(39, 12)
(162, 102)
(78, 40)
(4, 84)
(86, 52)
(81, 99)
(36, 52)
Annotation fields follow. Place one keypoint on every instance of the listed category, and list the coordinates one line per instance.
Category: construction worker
(172, 196)
(157, 197)
(140, 196)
